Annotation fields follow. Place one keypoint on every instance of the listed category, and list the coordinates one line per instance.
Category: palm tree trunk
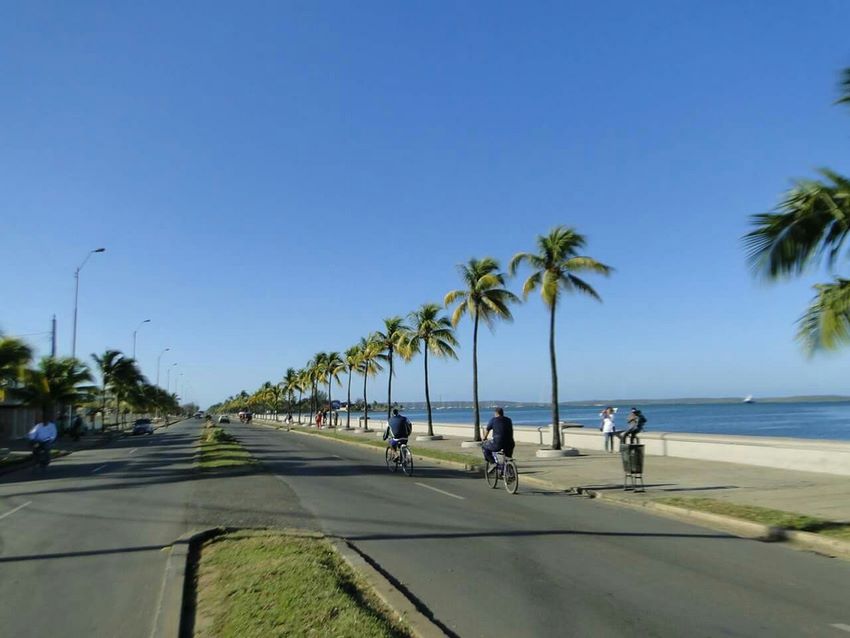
(330, 405)
(556, 423)
(428, 394)
(477, 428)
(300, 397)
(365, 403)
(348, 411)
(390, 388)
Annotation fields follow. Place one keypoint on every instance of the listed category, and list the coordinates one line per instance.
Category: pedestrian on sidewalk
(609, 430)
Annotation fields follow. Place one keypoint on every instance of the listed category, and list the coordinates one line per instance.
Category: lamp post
(158, 359)
(134, 335)
(168, 377)
(76, 297)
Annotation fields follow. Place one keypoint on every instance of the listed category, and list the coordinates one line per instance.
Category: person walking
(609, 430)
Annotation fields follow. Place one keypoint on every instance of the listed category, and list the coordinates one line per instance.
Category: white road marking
(337, 456)
(131, 451)
(10, 512)
(441, 491)
(837, 625)
(98, 469)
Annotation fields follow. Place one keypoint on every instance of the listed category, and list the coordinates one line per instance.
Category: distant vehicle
(199, 414)
(142, 426)
(224, 419)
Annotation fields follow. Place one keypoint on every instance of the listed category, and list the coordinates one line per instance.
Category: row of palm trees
(555, 269)
(56, 383)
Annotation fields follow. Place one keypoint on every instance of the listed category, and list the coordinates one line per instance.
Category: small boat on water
(749, 399)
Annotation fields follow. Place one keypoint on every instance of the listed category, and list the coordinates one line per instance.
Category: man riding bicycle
(503, 436)
(398, 429)
(41, 438)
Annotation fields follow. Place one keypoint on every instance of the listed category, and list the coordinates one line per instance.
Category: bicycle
(504, 468)
(401, 456)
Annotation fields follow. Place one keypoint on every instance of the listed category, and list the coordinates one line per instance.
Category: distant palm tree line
(58, 383)
(483, 298)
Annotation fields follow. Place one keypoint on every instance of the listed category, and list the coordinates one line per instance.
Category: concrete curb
(171, 620)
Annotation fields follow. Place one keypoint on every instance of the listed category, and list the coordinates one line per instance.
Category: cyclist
(398, 429)
(503, 436)
(41, 437)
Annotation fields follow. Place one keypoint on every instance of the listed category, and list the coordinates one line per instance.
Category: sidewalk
(824, 496)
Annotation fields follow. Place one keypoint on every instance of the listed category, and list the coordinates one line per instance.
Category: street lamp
(158, 359)
(168, 377)
(76, 297)
(134, 335)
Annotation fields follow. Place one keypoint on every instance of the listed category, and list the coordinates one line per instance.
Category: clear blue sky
(272, 179)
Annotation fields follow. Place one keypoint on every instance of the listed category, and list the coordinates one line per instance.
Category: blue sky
(272, 179)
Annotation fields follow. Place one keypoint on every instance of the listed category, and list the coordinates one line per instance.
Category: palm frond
(826, 323)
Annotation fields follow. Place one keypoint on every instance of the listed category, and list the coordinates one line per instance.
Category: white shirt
(608, 423)
(45, 433)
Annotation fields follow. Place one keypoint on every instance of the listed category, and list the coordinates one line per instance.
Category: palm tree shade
(554, 267)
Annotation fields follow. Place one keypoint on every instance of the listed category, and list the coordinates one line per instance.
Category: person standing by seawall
(636, 422)
(608, 428)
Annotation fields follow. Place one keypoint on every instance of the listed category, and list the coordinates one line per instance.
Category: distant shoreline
(827, 398)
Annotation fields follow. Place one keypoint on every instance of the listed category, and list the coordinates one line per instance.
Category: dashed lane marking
(98, 469)
(436, 489)
(132, 451)
(841, 626)
(12, 511)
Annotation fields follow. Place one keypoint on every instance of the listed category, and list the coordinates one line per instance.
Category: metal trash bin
(632, 457)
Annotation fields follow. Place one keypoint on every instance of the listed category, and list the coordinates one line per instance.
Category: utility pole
(53, 338)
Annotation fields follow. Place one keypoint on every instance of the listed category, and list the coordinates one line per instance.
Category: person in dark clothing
(503, 436)
(636, 422)
(76, 426)
(398, 429)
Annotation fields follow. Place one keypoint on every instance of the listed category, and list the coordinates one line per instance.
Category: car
(224, 419)
(143, 426)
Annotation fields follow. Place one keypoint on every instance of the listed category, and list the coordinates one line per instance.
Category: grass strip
(218, 449)
(262, 583)
(762, 515)
(466, 459)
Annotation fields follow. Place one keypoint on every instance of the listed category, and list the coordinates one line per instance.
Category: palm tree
(484, 299)
(118, 374)
(553, 272)
(332, 367)
(810, 226)
(432, 333)
(303, 384)
(14, 356)
(315, 367)
(290, 385)
(371, 350)
(55, 382)
(391, 339)
(352, 363)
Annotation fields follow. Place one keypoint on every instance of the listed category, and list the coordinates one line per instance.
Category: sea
(815, 420)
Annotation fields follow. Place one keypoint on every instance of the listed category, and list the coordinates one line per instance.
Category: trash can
(632, 456)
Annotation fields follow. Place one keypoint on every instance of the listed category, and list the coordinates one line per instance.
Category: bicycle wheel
(392, 464)
(406, 460)
(491, 474)
(511, 477)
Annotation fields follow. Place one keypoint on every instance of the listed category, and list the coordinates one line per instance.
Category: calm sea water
(799, 420)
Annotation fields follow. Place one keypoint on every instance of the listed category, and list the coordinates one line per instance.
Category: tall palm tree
(485, 299)
(332, 367)
(316, 368)
(303, 384)
(431, 333)
(553, 272)
(352, 362)
(290, 385)
(392, 338)
(54, 383)
(810, 227)
(14, 356)
(371, 355)
(118, 374)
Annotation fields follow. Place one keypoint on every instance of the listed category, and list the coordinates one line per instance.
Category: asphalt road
(81, 547)
(548, 564)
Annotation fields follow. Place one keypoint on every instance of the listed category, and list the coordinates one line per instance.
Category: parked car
(224, 419)
(142, 426)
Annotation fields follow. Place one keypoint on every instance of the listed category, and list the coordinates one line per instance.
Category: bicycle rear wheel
(491, 474)
(392, 464)
(511, 477)
(406, 460)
